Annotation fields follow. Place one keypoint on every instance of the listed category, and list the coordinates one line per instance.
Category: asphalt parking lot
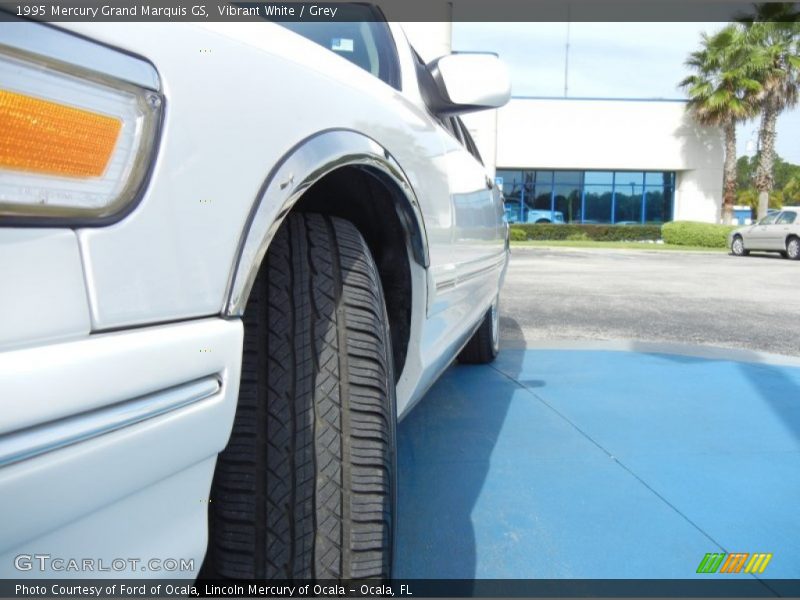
(577, 457)
(686, 297)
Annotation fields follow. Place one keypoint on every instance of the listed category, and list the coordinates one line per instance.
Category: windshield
(769, 219)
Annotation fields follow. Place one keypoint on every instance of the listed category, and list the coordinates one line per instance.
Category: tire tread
(304, 489)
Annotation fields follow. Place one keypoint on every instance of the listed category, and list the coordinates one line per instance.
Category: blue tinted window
(629, 178)
(658, 178)
(511, 182)
(543, 196)
(568, 177)
(588, 196)
(597, 201)
(658, 204)
(567, 203)
(628, 203)
(599, 177)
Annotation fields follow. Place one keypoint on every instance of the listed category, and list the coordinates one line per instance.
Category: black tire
(737, 246)
(305, 488)
(483, 346)
(793, 248)
(540, 221)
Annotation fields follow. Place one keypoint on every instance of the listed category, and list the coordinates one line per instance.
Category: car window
(454, 125)
(458, 130)
(468, 141)
(367, 43)
(449, 123)
(769, 219)
(786, 218)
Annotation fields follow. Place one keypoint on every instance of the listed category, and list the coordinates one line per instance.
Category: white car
(232, 256)
(779, 232)
(532, 215)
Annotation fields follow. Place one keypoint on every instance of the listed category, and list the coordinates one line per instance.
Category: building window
(617, 197)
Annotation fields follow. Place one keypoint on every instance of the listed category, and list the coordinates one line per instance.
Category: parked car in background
(250, 240)
(779, 232)
(531, 215)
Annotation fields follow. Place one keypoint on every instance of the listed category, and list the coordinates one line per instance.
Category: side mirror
(462, 83)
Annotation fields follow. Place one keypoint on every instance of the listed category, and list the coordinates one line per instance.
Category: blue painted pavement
(600, 464)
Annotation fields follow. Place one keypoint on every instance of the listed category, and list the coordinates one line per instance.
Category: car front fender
(303, 166)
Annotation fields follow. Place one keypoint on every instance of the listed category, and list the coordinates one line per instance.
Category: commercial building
(602, 160)
(594, 160)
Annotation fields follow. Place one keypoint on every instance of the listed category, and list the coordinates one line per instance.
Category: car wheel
(737, 247)
(483, 346)
(305, 488)
(540, 221)
(793, 248)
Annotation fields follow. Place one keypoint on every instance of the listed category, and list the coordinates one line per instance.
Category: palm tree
(791, 191)
(722, 93)
(773, 37)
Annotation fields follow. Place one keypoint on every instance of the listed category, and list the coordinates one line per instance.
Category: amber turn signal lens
(46, 137)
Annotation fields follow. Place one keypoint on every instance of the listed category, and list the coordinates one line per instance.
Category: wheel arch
(322, 174)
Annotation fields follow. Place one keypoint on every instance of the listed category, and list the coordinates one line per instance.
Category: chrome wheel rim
(738, 247)
(794, 248)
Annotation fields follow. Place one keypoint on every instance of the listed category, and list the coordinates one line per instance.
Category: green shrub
(578, 236)
(689, 233)
(516, 234)
(576, 231)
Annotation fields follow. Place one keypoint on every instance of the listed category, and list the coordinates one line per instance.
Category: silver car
(777, 232)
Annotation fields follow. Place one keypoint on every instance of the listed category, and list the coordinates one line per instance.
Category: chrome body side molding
(303, 166)
(39, 439)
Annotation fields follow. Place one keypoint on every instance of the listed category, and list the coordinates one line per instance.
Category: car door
(758, 236)
(478, 228)
(496, 211)
(782, 228)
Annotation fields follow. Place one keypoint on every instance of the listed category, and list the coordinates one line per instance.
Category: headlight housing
(75, 144)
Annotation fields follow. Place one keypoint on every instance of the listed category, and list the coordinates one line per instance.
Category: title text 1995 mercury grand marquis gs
(232, 256)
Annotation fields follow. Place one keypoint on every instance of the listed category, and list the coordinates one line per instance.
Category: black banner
(718, 587)
(394, 10)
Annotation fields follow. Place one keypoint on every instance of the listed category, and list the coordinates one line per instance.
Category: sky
(607, 60)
